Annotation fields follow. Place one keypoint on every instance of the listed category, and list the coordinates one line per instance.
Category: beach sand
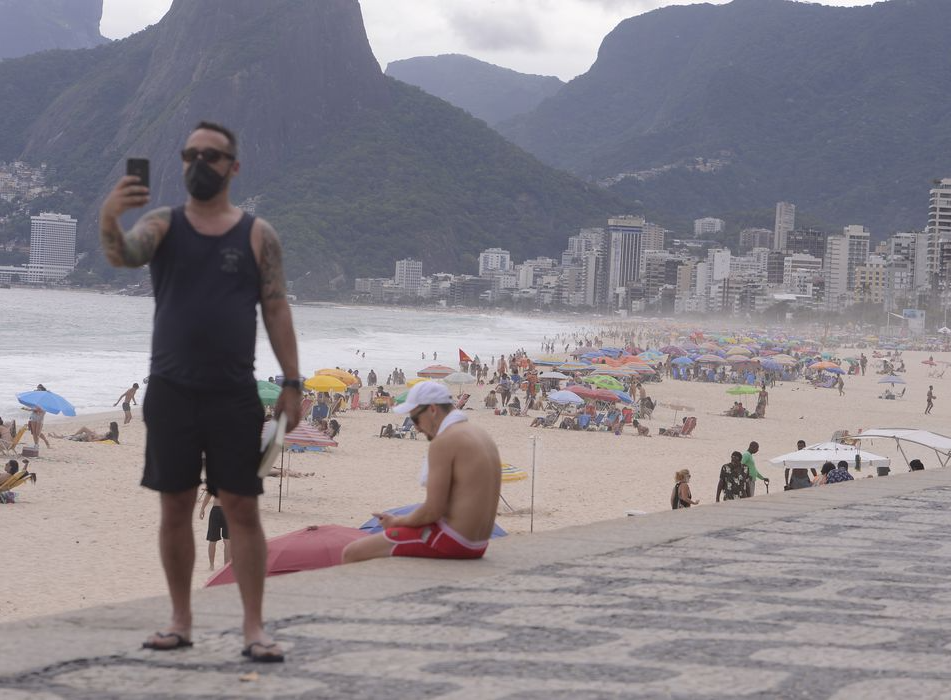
(85, 533)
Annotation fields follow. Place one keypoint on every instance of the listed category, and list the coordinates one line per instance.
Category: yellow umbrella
(323, 382)
(512, 473)
(340, 374)
(416, 380)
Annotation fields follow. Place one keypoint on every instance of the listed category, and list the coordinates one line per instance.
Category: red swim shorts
(435, 541)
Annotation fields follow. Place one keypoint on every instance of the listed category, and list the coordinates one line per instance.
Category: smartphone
(138, 167)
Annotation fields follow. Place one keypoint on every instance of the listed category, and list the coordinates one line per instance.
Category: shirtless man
(462, 488)
(127, 398)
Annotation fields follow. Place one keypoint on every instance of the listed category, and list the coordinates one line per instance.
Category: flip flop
(180, 642)
(266, 656)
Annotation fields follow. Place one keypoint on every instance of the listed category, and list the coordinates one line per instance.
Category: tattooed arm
(137, 246)
(276, 313)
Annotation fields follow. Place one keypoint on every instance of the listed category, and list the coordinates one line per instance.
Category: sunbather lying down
(84, 434)
(276, 471)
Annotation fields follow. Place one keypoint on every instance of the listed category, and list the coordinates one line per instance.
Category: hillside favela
(491, 350)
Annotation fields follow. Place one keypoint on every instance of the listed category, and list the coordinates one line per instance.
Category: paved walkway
(839, 592)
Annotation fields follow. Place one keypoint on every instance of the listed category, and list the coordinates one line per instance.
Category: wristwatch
(292, 383)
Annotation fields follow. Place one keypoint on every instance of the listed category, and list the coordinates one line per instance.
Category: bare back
(476, 479)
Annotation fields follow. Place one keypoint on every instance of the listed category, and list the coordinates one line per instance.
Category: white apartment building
(939, 228)
(409, 276)
(785, 223)
(494, 259)
(52, 247)
(707, 226)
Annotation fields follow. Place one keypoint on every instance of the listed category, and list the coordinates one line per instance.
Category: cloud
(490, 29)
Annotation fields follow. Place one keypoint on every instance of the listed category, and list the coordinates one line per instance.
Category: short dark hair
(135, 385)
(828, 467)
(223, 130)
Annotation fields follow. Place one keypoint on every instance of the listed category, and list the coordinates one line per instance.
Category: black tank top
(206, 292)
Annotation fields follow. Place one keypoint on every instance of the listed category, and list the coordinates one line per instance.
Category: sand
(85, 533)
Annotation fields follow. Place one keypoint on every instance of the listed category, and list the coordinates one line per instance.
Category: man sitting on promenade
(463, 476)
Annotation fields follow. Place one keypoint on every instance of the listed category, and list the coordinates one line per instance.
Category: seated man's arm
(438, 484)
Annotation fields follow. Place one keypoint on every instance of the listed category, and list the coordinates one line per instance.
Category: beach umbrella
(823, 365)
(435, 372)
(673, 350)
(682, 361)
(739, 350)
(677, 407)
(401, 398)
(373, 526)
(835, 370)
(741, 389)
(944, 330)
(459, 378)
(624, 396)
(574, 366)
(414, 381)
(592, 394)
(711, 359)
(770, 364)
(48, 401)
(929, 362)
(324, 382)
(553, 375)
(314, 547)
(891, 379)
(565, 397)
(512, 473)
(268, 392)
(604, 382)
(815, 456)
(340, 374)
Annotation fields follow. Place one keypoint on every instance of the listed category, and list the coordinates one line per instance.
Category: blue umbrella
(565, 397)
(682, 361)
(373, 524)
(624, 396)
(891, 379)
(48, 401)
(771, 365)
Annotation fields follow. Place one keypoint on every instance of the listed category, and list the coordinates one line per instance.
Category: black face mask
(202, 181)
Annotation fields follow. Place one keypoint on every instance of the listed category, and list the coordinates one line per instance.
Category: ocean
(90, 347)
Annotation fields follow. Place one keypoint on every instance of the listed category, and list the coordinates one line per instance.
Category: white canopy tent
(815, 456)
(941, 444)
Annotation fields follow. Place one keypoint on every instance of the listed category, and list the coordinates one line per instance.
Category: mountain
(722, 108)
(28, 26)
(355, 169)
(484, 90)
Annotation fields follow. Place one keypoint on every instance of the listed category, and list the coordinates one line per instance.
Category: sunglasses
(415, 416)
(209, 155)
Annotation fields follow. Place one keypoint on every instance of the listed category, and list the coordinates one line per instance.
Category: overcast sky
(549, 37)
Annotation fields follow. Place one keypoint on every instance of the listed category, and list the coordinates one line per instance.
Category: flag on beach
(463, 357)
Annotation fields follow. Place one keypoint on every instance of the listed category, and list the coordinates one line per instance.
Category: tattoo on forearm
(136, 247)
(271, 266)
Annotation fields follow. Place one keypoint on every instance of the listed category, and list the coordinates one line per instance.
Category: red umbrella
(594, 394)
(314, 547)
(435, 372)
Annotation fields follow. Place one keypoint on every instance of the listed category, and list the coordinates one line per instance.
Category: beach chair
(682, 430)
(598, 419)
(319, 412)
(407, 429)
(306, 404)
(17, 436)
(462, 402)
(608, 421)
(584, 421)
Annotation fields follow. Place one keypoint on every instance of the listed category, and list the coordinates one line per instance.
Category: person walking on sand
(931, 397)
(217, 529)
(127, 398)
(211, 265)
(750, 464)
(463, 476)
(734, 479)
(840, 384)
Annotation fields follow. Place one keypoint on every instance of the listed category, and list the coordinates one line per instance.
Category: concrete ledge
(565, 611)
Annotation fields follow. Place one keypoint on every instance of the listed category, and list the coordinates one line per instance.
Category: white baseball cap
(424, 394)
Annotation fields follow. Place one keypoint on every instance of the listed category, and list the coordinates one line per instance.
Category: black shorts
(185, 424)
(217, 526)
(126, 407)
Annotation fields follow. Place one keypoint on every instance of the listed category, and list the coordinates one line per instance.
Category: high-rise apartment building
(755, 238)
(409, 276)
(707, 226)
(785, 223)
(807, 241)
(625, 235)
(494, 259)
(939, 232)
(844, 253)
(52, 247)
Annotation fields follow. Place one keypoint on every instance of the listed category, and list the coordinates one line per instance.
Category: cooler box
(30, 451)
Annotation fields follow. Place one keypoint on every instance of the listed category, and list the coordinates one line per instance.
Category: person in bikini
(463, 476)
